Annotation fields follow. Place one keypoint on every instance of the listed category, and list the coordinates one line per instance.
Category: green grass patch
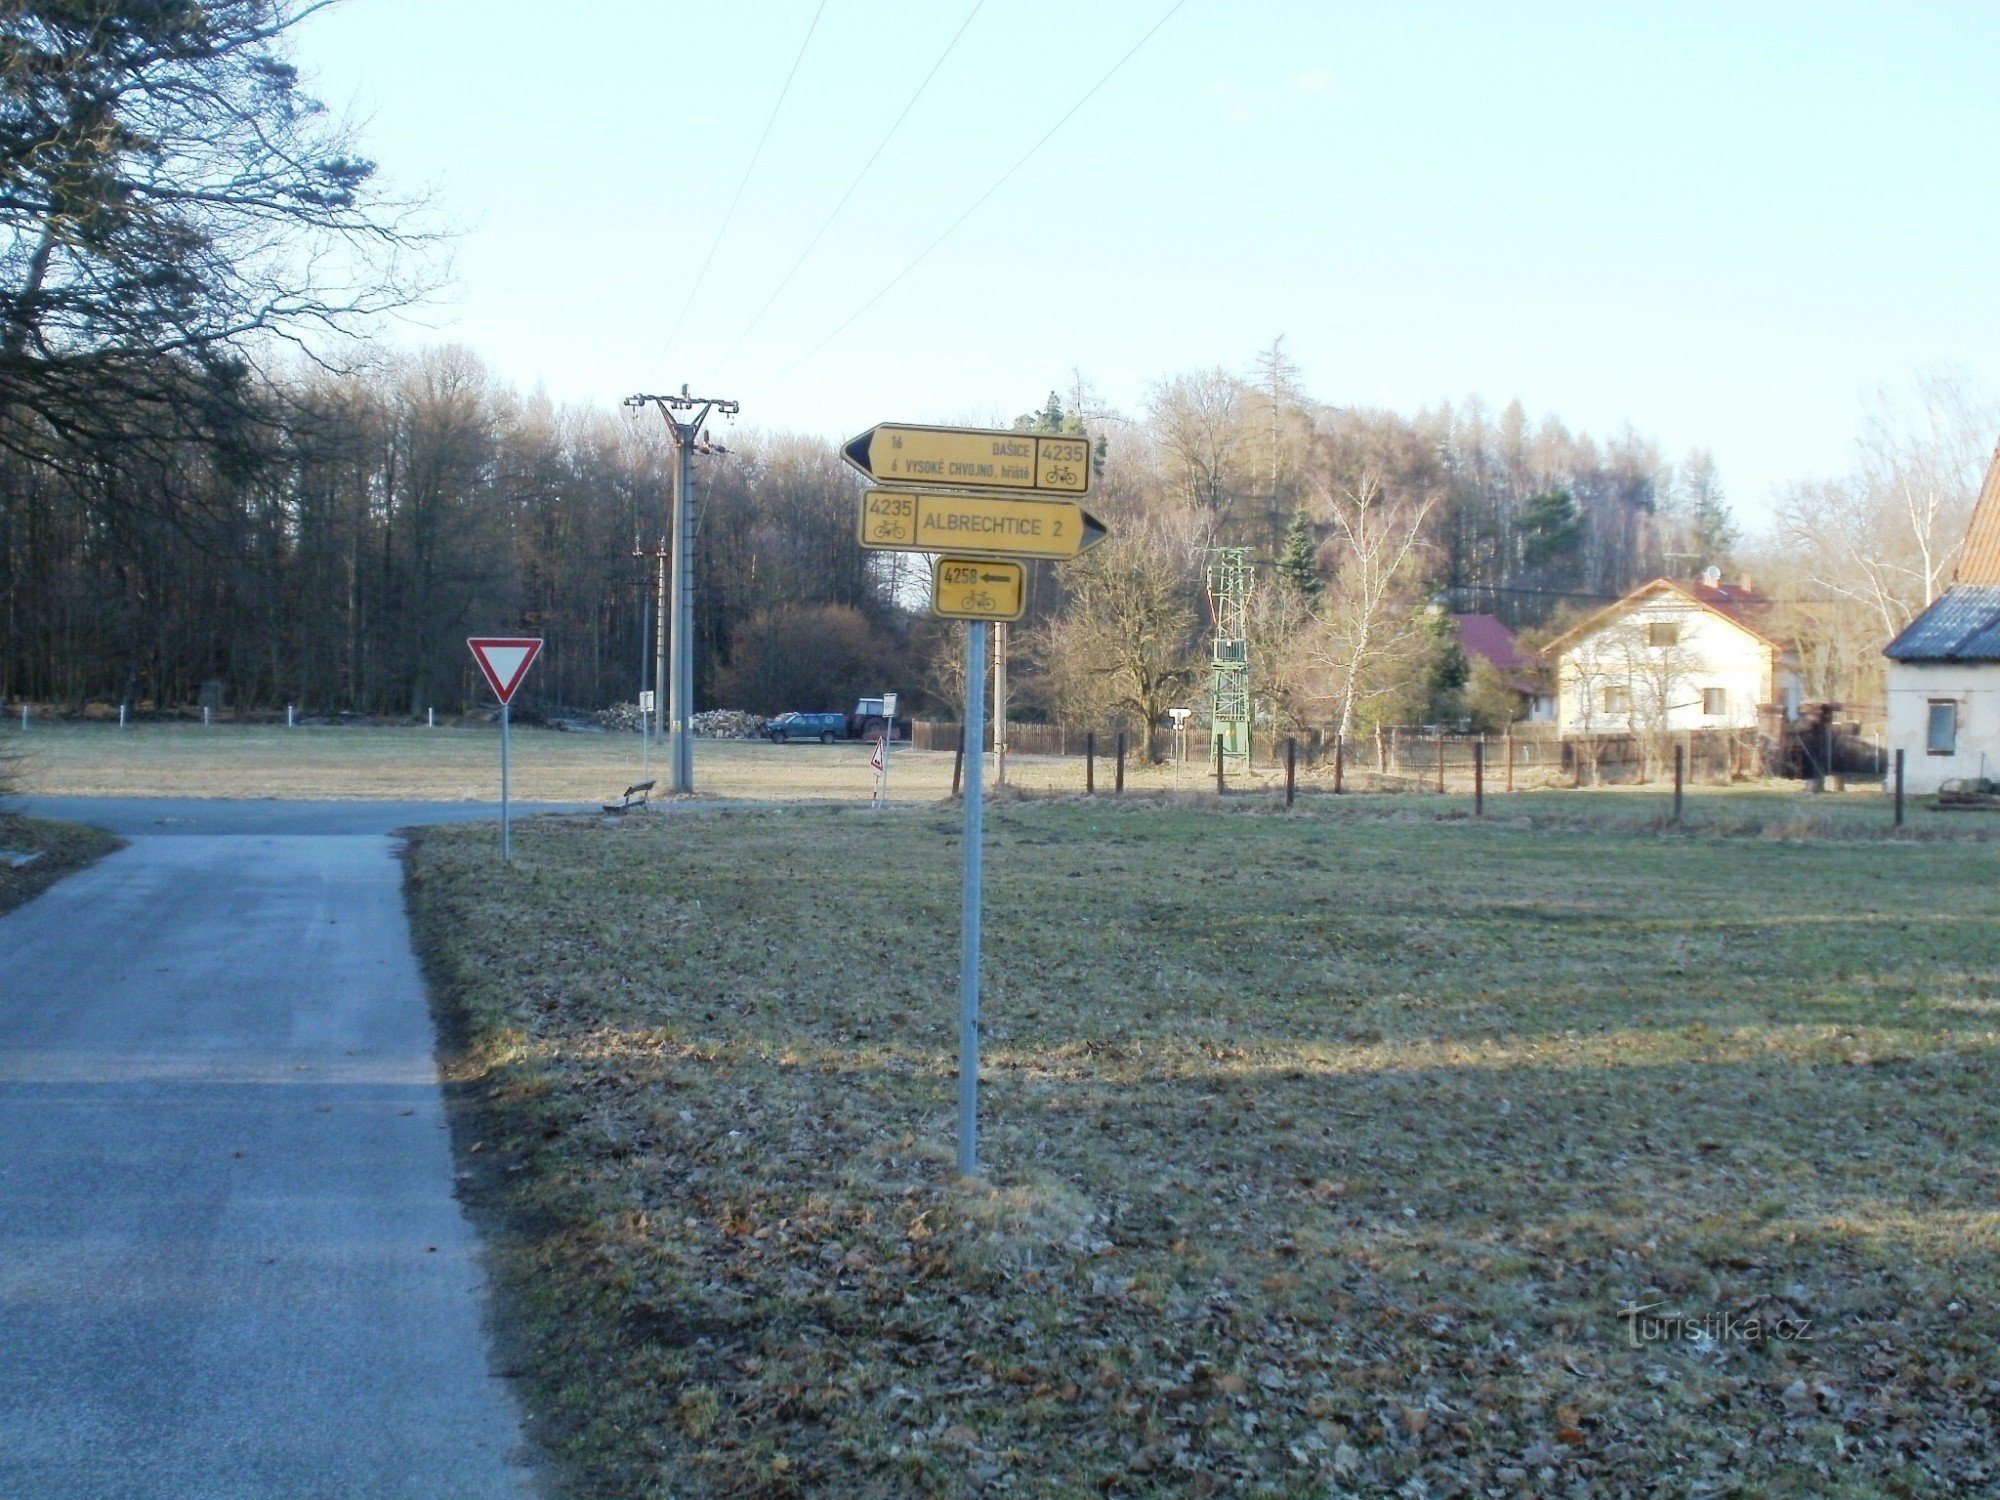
(60, 849)
(1323, 1151)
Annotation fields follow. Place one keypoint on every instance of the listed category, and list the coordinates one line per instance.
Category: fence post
(958, 761)
(1339, 761)
(1899, 789)
(1479, 778)
(1510, 757)
(1291, 769)
(1680, 773)
(1118, 779)
(1440, 764)
(1090, 764)
(1219, 787)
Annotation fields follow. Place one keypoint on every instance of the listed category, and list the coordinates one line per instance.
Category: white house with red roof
(1673, 656)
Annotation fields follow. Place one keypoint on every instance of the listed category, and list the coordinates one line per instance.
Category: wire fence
(1421, 757)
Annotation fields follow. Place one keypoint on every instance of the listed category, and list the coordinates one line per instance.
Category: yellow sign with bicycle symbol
(972, 458)
(978, 588)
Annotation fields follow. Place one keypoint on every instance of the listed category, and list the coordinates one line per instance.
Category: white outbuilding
(1944, 669)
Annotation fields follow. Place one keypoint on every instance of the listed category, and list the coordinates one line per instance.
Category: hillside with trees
(211, 480)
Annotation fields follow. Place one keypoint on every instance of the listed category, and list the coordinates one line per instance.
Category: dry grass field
(463, 764)
(449, 764)
(1328, 1153)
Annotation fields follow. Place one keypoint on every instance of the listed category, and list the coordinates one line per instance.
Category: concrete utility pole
(688, 438)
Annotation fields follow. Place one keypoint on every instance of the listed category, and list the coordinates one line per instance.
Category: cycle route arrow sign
(993, 525)
(971, 458)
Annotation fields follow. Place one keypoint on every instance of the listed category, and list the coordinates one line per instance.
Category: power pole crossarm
(688, 437)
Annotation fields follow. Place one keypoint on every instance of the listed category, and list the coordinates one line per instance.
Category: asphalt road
(231, 1263)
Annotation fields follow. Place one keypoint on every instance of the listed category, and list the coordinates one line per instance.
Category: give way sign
(505, 660)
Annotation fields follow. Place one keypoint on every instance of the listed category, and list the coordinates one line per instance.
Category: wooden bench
(636, 795)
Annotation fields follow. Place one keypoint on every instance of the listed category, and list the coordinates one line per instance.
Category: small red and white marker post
(504, 661)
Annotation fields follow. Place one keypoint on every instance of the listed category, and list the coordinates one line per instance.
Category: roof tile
(1979, 563)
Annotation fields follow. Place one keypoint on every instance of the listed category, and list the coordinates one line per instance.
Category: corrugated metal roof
(1962, 624)
(1980, 561)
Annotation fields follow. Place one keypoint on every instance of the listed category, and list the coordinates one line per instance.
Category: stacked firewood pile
(728, 724)
(712, 724)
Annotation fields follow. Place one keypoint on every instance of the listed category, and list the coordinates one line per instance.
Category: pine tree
(1298, 560)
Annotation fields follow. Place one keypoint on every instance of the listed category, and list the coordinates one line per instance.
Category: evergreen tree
(1449, 669)
(1298, 560)
(1551, 529)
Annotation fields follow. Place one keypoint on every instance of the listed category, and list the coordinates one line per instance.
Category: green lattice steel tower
(1229, 603)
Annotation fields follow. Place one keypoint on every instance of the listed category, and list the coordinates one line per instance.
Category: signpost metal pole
(974, 881)
(504, 662)
(1000, 704)
(888, 738)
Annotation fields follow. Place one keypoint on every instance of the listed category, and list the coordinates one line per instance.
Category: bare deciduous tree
(1864, 553)
(1364, 622)
(1126, 647)
(1198, 420)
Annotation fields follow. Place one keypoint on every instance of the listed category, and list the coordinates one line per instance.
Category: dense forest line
(339, 561)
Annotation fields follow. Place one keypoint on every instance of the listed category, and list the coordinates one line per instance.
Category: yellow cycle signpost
(984, 501)
(972, 458)
(978, 588)
(992, 525)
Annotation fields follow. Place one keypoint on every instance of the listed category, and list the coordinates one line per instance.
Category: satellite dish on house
(1712, 576)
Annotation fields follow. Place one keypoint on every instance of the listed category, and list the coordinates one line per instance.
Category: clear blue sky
(1726, 225)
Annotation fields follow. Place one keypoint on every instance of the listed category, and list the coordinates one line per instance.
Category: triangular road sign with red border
(504, 659)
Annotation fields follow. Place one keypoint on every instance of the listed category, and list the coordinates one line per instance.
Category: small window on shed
(1714, 702)
(1617, 700)
(1942, 738)
(1663, 633)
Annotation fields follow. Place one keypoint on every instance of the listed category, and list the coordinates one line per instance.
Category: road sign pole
(973, 892)
(504, 662)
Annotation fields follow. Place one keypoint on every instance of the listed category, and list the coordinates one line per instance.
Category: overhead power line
(730, 212)
(880, 146)
(979, 202)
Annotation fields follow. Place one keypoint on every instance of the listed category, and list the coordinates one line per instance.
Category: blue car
(826, 728)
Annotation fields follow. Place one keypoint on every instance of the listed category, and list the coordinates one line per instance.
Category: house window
(1617, 700)
(1666, 634)
(1714, 702)
(1942, 735)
